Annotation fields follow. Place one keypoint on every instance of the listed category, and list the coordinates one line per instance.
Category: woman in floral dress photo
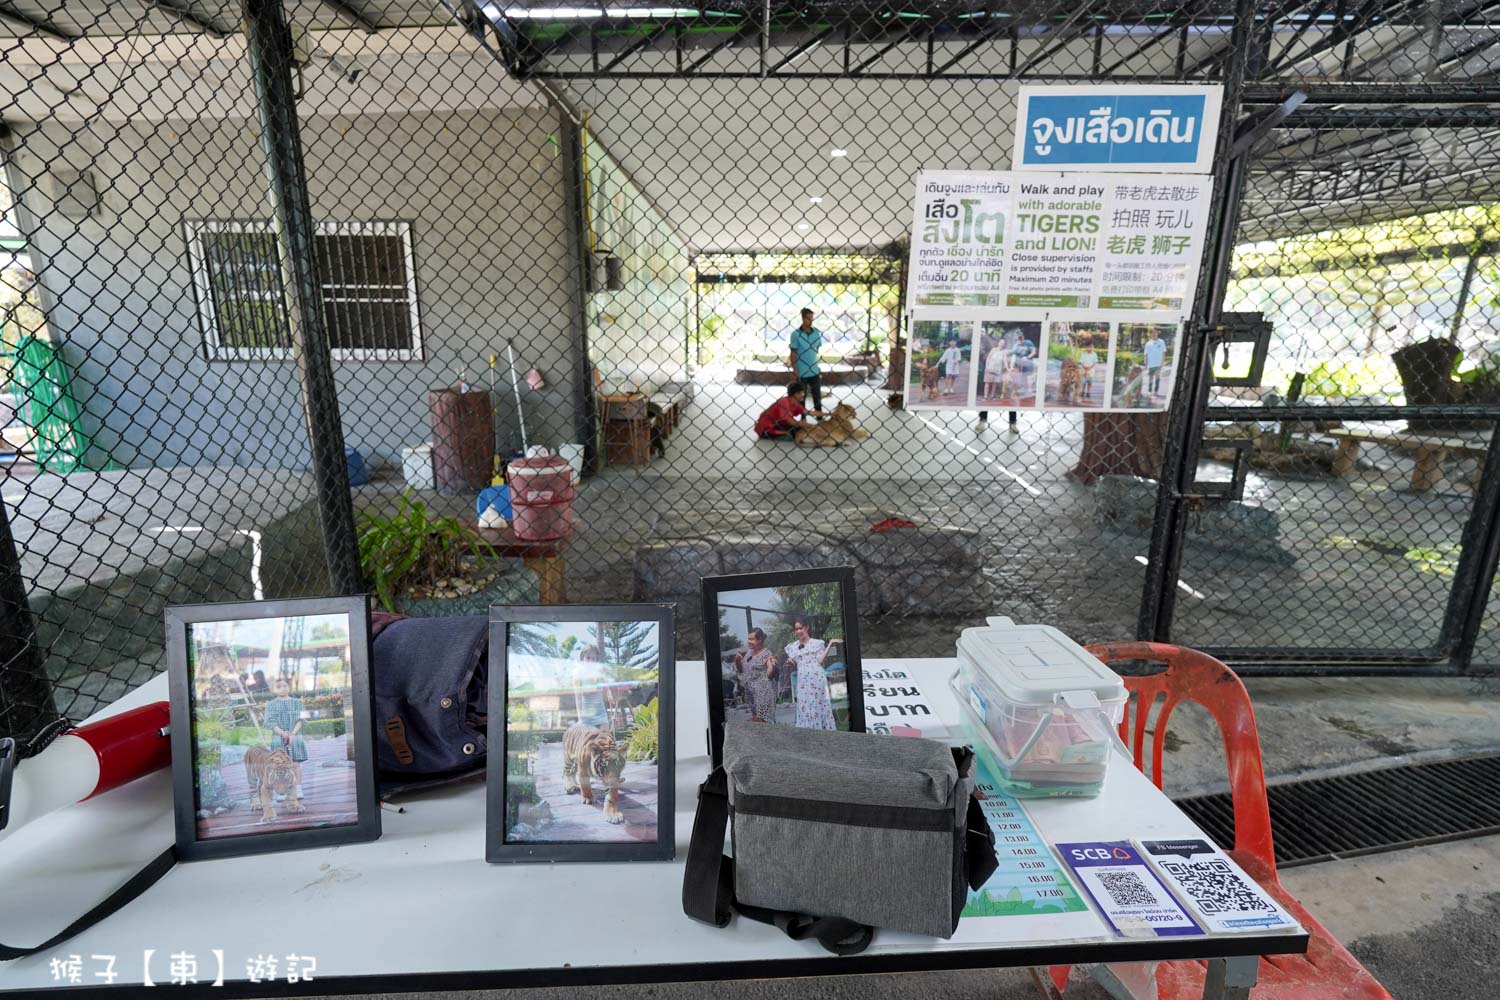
(806, 655)
(757, 667)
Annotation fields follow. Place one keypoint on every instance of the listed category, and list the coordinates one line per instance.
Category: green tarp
(45, 401)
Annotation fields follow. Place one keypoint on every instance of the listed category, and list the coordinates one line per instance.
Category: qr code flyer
(1216, 890)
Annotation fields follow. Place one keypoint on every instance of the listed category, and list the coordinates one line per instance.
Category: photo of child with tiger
(271, 729)
(581, 732)
(1077, 365)
(940, 365)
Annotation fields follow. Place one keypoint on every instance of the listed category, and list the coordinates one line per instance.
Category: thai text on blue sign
(1170, 129)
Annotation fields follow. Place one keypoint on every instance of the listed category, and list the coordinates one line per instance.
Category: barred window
(368, 283)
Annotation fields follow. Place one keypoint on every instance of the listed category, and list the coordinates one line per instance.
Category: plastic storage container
(416, 466)
(541, 497)
(1039, 708)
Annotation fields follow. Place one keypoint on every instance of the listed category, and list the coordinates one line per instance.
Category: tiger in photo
(270, 773)
(591, 753)
(1068, 382)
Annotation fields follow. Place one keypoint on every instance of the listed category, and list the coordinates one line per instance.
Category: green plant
(1342, 378)
(409, 549)
(642, 744)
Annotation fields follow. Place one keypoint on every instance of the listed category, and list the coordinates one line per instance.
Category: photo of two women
(782, 656)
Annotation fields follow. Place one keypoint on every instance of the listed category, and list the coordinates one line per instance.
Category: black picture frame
(497, 849)
(190, 846)
(714, 586)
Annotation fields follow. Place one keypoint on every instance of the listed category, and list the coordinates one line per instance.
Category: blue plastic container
(497, 497)
(359, 474)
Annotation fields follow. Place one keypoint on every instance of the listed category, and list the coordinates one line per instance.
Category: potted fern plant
(423, 565)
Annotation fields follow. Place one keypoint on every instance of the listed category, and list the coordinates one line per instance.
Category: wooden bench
(1429, 449)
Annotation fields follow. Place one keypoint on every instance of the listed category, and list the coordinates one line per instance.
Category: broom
(515, 388)
(497, 476)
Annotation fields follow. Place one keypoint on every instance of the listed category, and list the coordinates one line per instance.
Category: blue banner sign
(1170, 129)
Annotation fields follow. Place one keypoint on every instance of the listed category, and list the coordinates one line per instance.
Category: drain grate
(1326, 818)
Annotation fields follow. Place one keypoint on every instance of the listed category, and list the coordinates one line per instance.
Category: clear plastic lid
(1038, 665)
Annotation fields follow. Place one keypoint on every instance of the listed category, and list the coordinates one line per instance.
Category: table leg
(1042, 979)
(1231, 978)
(1429, 470)
(551, 574)
(1346, 458)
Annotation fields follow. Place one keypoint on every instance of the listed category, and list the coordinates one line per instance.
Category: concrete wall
(483, 190)
(637, 333)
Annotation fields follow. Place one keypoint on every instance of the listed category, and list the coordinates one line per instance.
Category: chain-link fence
(472, 228)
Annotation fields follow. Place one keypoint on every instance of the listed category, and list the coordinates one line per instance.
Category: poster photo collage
(1052, 364)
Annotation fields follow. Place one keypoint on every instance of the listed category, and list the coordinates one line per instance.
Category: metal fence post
(1474, 576)
(584, 401)
(269, 42)
(1189, 393)
(25, 693)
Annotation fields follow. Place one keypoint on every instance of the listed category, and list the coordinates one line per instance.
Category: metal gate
(1381, 502)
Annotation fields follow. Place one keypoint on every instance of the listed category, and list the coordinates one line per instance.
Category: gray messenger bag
(835, 834)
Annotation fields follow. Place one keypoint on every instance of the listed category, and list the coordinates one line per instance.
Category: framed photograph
(581, 761)
(272, 739)
(782, 648)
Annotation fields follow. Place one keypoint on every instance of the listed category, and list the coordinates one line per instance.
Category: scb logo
(1100, 854)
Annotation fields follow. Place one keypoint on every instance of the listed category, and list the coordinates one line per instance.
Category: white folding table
(419, 909)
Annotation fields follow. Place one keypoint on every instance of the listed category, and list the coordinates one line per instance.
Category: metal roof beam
(991, 31)
(807, 46)
(638, 45)
(1345, 32)
(351, 15)
(26, 24)
(180, 10)
(1222, 52)
(743, 32)
(1457, 58)
(1066, 32)
(1173, 26)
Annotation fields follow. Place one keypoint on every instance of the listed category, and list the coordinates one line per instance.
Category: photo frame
(582, 717)
(273, 741)
(759, 677)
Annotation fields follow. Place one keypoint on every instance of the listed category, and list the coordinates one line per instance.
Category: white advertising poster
(1079, 303)
(958, 239)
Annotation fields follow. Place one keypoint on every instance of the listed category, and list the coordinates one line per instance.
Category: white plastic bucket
(573, 455)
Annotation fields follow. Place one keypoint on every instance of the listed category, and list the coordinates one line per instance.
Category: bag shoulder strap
(139, 883)
(708, 884)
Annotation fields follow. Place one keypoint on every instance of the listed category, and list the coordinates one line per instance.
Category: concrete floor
(103, 552)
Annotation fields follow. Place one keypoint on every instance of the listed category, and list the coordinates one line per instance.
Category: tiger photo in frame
(581, 733)
(272, 746)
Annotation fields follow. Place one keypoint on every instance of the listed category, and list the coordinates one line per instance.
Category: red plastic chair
(1327, 971)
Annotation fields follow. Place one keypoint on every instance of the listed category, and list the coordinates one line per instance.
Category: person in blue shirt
(1156, 354)
(803, 359)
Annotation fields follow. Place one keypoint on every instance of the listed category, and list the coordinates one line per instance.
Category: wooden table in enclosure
(548, 560)
(1429, 451)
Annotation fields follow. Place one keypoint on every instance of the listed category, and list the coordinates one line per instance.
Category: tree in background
(538, 640)
(823, 602)
(628, 650)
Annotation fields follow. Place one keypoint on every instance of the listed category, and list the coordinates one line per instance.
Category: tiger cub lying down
(270, 773)
(591, 753)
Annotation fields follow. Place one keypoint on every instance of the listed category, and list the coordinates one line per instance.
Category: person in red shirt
(783, 418)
